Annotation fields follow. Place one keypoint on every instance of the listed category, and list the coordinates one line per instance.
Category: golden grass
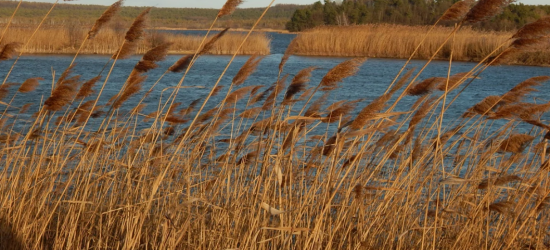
(399, 41)
(261, 172)
(66, 41)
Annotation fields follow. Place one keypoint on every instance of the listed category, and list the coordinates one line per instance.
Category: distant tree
(410, 12)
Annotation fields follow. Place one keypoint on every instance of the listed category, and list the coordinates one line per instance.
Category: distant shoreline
(220, 29)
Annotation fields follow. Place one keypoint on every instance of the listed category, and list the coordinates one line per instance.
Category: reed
(107, 41)
(398, 41)
(271, 167)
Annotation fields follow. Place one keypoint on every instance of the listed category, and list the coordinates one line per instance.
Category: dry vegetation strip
(67, 40)
(399, 41)
(277, 166)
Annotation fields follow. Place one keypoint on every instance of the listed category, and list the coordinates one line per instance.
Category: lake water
(370, 82)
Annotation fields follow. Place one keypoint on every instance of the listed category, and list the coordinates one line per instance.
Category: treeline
(408, 12)
(191, 18)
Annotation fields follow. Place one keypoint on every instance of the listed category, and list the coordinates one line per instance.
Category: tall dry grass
(272, 167)
(65, 40)
(399, 41)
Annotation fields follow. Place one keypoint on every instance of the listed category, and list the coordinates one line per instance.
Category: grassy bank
(196, 18)
(67, 40)
(399, 41)
(277, 165)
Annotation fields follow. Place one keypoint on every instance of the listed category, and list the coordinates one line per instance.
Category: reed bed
(399, 41)
(280, 166)
(65, 40)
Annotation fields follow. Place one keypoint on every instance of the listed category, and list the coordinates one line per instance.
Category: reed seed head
(536, 29)
(298, 82)
(136, 30)
(210, 44)
(485, 9)
(9, 50)
(105, 18)
(247, 69)
(457, 10)
(229, 7)
(340, 72)
(30, 84)
(181, 64)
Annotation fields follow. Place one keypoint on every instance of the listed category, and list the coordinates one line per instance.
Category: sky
(216, 3)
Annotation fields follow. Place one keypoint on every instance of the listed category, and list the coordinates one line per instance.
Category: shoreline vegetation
(67, 41)
(284, 162)
(374, 40)
(400, 41)
(371, 40)
(193, 18)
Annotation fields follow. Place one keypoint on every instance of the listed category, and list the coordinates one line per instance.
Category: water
(370, 82)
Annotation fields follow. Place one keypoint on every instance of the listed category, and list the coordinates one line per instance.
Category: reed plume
(485, 106)
(288, 52)
(329, 146)
(485, 9)
(144, 66)
(210, 44)
(421, 112)
(524, 111)
(133, 87)
(5, 90)
(9, 50)
(299, 83)
(528, 37)
(136, 30)
(84, 110)
(63, 94)
(181, 64)
(30, 84)
(105, 18)
(189, 108)
(138, 109)
(261, 96)
(402, 81)
(518, 92)
(251, 112)
(247, 69)
(157, 53)
(127, 50)
(315, 107)
(340, 72)
(229, 7)
(87, 88)
(349, 161)
(499, 181)
(515, 143)
(151, 57)
(296, 128)
(277, 89)
(457, 10)
(426, 86)
(217, 90)
(369, 112)
(340, 112)
(536, 29)
(66, 73)
(238, 94)
(503, 207)
(453, 82)
(25, 108)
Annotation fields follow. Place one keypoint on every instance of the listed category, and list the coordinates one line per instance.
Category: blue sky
(216, 3)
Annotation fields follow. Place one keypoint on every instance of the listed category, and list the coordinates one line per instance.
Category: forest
(407, 12)
(190, 18)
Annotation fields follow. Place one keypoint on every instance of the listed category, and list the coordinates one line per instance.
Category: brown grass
(107, 41)
(262, 174)
(398, 41)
